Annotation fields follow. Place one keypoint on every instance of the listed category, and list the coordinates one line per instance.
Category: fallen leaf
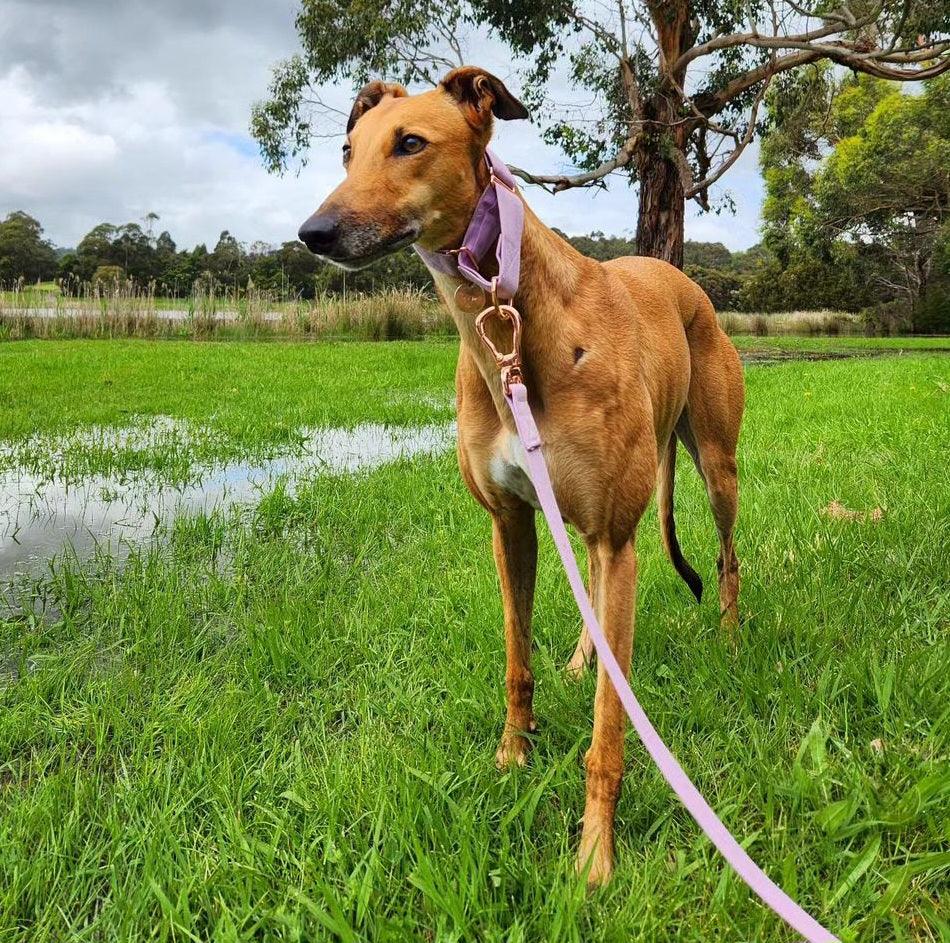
(837, 511)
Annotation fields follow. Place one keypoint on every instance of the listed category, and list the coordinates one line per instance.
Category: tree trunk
(662, 196)
(662, 208)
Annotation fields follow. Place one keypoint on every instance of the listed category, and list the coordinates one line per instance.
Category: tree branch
(754, 38)
(446, 31)
(708, 103)
(707, 182)
(555, 183)
(880, 62)
(873, 63)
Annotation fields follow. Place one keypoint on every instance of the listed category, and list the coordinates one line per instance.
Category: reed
(123, 309)
(800, 323)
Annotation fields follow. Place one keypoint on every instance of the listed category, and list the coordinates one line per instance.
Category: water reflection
(40, 517)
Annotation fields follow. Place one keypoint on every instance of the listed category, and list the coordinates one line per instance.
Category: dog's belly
(509, 469)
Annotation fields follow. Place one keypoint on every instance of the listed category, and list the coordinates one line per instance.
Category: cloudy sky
(110, 109)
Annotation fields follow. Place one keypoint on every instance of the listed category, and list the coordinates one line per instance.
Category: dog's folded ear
(369, 96)
(480, 95)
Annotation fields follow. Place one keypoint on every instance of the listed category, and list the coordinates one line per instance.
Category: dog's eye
(410, 144)
(346, 153)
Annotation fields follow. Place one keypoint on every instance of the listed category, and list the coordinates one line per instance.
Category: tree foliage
(24, 253)
(109, 253)
(887, 184)
(858, 180)
(667, 93)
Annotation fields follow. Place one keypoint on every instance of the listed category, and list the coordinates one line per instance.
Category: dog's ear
(480, 95)
(369, 96)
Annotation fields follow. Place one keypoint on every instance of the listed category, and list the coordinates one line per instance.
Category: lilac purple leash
(499, 220)
(680, 783)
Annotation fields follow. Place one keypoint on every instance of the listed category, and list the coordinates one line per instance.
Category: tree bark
(662, 208)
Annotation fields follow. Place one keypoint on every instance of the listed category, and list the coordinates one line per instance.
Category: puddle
(43, 516)
(768, 356)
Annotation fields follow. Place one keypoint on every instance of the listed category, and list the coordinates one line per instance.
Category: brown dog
(621, 359)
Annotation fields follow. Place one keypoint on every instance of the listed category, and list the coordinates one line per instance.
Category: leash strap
(498, 221)
(771, 894)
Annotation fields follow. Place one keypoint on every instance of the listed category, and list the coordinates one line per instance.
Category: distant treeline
(751, 280)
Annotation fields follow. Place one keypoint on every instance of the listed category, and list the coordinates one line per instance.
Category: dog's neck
(551, 268)
(552, 272)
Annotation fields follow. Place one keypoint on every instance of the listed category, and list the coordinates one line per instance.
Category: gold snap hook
(508, 363)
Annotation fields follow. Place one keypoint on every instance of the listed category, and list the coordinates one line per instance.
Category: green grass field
(281, 725)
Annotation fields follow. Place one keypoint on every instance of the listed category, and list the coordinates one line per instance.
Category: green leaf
(861, 865)
(933, 788)
(836, 815)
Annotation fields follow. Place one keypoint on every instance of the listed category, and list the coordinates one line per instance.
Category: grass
(245, 398)
(840, 344)
(284, 729)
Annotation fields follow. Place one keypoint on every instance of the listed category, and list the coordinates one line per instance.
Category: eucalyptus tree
(666, 92)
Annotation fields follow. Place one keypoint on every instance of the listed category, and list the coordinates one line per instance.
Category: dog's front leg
(515, 544)
(604, 760)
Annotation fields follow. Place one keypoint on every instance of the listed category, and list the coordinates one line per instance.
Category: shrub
(108, 276)
(932, 314)
(887, 318)
(722, 287)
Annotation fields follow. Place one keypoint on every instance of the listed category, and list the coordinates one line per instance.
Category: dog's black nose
(319, 232)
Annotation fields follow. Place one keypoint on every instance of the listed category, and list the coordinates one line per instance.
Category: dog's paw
(595, 859)
(729, 624)
(512, 751)
(582, 658)
(576, 668)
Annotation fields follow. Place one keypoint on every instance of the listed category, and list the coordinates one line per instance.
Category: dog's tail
(664, 491)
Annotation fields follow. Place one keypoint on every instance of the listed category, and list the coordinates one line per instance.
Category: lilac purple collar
(498, 220)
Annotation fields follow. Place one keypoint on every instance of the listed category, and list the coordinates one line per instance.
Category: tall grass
(281, 726)
(801, 323)
(122, 309)
(125, 310)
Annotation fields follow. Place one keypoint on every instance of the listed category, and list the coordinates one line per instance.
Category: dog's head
(414, 167)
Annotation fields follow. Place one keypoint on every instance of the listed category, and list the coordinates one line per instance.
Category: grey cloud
(208, 53)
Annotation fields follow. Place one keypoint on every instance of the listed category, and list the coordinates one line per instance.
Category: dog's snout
(319, 233)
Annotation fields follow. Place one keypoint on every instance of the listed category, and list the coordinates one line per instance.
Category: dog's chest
(509, 468)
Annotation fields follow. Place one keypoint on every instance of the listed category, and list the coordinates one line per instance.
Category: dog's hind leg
(515, 546)
(722, 487)
(709, 428)
(584, 652)
(604, 760)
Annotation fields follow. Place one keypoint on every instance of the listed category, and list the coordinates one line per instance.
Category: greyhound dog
(622, 359)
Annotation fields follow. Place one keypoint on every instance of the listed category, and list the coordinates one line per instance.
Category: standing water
(42, 516)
